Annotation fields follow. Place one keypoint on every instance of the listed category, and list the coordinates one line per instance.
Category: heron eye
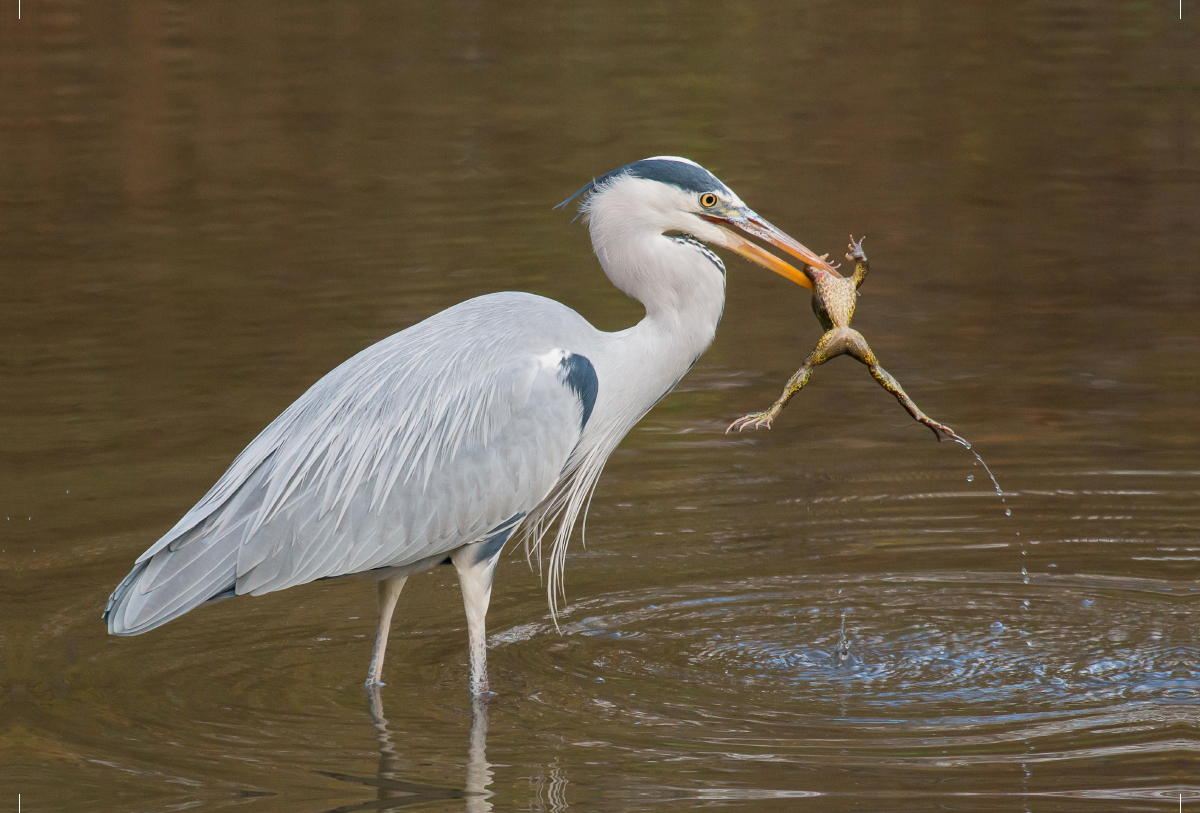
(708, 200)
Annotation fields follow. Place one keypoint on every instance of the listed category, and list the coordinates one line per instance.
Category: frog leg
(856, 255)
(858, 348)
(831, 345)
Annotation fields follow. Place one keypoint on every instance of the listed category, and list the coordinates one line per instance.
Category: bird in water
(436, 444)
(833, 301)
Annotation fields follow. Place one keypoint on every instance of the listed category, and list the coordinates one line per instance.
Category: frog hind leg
(831, 345)
(858, 348)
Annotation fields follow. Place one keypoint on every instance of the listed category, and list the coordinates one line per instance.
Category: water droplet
(970, 478)
(1026, 602)
(997, 627)
(1008, 512)
(1024, 572)
(979, 460)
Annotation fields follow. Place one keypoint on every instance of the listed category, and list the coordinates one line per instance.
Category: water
(992, 477)
(206, 207)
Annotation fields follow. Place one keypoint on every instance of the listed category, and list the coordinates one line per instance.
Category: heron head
(671, 194)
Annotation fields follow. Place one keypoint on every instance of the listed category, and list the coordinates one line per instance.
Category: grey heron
(435, 445)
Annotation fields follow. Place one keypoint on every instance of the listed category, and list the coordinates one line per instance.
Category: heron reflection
(394, 792)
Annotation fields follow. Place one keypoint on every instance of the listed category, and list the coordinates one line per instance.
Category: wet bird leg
(834, 298)
(389, 593)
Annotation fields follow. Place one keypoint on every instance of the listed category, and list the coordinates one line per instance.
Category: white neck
(683, 292)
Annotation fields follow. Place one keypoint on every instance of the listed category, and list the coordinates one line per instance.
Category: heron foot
(755, 420)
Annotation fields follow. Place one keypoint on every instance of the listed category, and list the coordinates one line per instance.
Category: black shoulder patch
(577, 372)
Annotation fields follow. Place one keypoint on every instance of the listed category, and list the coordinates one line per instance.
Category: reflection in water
(395, 792)
(198, 219)
(479, 773)
(549, 792)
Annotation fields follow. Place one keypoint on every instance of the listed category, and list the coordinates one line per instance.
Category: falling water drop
(999, 491)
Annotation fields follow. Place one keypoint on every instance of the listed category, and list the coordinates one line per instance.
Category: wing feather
(418, 445)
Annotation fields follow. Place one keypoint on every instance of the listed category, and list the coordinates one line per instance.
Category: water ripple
(975, 661)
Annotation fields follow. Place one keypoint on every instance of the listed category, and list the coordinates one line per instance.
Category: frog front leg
(856, 255)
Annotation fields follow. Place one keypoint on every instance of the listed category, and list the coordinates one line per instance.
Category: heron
(435, 445)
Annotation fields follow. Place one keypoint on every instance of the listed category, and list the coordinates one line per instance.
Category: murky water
(206, 207)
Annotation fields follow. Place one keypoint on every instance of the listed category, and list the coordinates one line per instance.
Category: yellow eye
(708, 200)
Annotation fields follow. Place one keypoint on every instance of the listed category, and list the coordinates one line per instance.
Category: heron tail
(172, 582)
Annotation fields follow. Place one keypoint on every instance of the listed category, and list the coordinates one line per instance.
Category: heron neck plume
(682, 286)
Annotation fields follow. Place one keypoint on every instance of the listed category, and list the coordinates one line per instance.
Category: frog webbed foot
(834, 266)
(755, 420)
(944, 432)
(854, 251)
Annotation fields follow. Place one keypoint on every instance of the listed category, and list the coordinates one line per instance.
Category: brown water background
(206, 206)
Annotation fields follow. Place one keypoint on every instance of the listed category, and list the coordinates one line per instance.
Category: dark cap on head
(679, 172)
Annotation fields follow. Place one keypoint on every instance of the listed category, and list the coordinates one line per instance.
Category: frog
(833, 301)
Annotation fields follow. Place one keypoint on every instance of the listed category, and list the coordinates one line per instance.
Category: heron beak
(753, 224)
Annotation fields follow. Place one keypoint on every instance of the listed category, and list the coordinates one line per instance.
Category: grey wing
(411, 449)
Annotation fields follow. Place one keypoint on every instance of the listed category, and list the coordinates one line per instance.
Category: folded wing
(418, 445)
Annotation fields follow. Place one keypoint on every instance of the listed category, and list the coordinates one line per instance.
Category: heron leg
(858, 348)
(831, 345)
(389, 592)
(475, 577)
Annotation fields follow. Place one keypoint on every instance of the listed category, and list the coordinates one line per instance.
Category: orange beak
(753, 224)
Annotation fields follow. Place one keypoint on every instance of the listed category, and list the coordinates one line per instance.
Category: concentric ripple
(966, 650)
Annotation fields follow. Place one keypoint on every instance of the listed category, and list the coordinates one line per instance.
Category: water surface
(206, 207)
